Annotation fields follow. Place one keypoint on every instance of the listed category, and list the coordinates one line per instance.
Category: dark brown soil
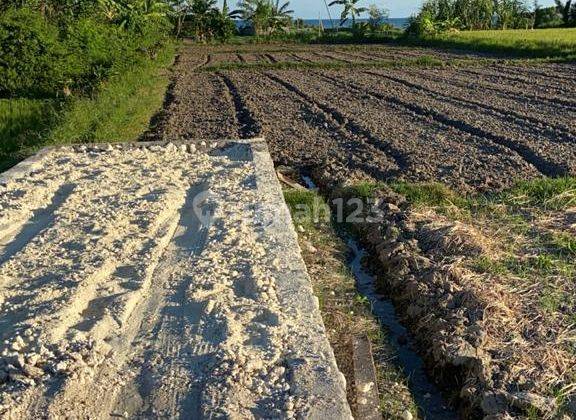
(475, 129)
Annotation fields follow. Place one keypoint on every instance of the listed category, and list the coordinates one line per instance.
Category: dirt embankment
(486, 335)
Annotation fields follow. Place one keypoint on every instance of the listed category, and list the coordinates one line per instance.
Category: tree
(446, 15)
(265, 16)
(377, 17)
(207, 21)
(511, 13)
(568, 11)
(351, 10)
(281, 16)
(547, 17)
(180, 9)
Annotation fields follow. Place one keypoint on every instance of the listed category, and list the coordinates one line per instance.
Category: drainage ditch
(429, 399)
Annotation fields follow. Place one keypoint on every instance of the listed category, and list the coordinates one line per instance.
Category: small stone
(18, 377)
(61, 367)
(407, 415)
(301, 229)
(311, 249)
(32, 359)
(18, 344)
(33, 371)
(367, 387)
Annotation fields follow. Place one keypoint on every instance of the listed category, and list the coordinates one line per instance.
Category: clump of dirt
(484, 340)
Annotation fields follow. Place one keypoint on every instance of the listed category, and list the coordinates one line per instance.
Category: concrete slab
(157, 280)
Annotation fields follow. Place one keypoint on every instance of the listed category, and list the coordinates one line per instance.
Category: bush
(96, 50)
(148, 34)
(32, 59)
(39, 59)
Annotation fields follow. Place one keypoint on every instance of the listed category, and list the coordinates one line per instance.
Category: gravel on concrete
(157, 280)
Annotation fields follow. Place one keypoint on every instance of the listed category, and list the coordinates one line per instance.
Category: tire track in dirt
(175, 312)
(15, 236)
(351, 126)
(543, 165)
(123, 339)
(248, 127)
(551, 129)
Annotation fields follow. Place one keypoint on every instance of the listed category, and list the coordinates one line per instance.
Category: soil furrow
(248, 127)
(332, 57)
(503, 91)
(549, 164)
(530, 84)
(434, 151)
(348, 124)
(271, 58)
(556, 133)
(200, 109)
(300, 59)
(307, 138)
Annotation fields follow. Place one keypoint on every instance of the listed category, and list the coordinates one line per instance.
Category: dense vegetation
(69, 68)
(439, 16)
(557, 43)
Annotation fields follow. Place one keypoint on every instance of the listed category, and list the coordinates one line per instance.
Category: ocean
(400, 23)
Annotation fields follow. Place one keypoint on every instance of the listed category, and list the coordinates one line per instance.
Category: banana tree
(265, 16)
(350, 11)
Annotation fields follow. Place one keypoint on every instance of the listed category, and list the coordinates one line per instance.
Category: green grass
(540, 43)
(550, 193)
(312, 36)
(23, 125)
(308, 209)
(530, 251)
(344, 311)
(120, 111)
(424, 61)
(428, 194)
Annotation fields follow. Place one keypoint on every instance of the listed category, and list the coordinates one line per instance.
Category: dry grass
(502, 264)
(517, 259)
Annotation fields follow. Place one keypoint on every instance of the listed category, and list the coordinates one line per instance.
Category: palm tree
(265, 16)
(351, 10)
(281, 15)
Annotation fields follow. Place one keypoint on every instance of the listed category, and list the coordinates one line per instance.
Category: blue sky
(398, 8)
